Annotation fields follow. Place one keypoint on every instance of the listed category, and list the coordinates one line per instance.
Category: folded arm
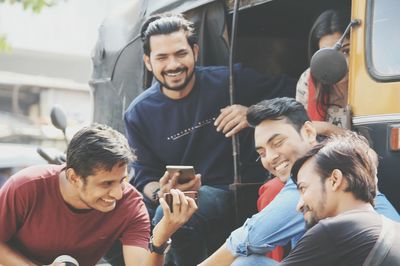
(276, 224)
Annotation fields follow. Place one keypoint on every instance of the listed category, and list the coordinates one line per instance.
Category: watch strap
(161, 250)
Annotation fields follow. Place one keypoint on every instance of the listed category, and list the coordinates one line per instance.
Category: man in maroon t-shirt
(80, 209)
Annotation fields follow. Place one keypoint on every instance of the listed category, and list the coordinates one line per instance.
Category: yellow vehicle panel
(368, 96)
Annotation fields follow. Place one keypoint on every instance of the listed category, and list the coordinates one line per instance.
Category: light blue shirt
(279, 222)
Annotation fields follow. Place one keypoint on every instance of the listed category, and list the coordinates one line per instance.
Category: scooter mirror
(58, 118)
(328, 66)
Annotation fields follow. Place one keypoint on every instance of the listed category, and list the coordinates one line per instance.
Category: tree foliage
(34, 5)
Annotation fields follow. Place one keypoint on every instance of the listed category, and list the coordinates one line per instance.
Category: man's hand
(167, 181)
(183, 208)
(232, 119)
(193, 184)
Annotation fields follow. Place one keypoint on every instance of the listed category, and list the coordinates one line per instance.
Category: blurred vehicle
(14, 157)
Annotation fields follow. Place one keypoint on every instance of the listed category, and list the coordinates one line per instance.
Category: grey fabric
(382, 245)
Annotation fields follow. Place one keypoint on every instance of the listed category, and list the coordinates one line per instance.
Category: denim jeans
(254, 260)
(206, 230)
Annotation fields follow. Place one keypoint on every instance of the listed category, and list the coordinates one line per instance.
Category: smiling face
(313, 194)
(172, 62)
(102, 190)
(279, 145)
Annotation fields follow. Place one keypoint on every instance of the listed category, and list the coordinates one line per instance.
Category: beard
(311, 220)
(178, 87)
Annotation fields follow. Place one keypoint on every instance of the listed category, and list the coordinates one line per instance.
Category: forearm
(154, 259)
(220, 257)
(159, 238)
(12, 257)
(328, 129)
(275, 225)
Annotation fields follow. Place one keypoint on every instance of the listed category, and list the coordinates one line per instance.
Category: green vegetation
(35, 5)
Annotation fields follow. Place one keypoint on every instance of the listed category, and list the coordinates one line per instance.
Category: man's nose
(117, 191)
(173, 63)
(270, 156)
(300, 205)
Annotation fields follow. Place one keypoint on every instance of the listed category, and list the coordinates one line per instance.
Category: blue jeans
(254, 260)
(206, 230)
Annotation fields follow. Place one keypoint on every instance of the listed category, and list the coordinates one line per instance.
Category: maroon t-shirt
(35, 220)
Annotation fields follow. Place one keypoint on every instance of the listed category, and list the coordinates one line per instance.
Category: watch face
(159, 250)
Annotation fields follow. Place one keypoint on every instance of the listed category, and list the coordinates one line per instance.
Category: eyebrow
(108, 180)
(176, 52)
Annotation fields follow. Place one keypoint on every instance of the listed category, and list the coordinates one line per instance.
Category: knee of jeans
(158, 214)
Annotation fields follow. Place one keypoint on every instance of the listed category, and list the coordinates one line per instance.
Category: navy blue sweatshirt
(163, 131)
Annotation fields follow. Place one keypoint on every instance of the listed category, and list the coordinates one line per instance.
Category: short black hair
(97, 147)
(165, 24)
(350, 153)
(277, 109)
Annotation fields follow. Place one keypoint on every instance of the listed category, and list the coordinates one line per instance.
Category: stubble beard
(180, 87)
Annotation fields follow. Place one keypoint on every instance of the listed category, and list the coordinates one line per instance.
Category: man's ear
(196, 50)
(309, 132)
(337, 180)
(146, 60)
(73, 177)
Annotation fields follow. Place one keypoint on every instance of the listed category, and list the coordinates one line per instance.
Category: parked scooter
(59, 120)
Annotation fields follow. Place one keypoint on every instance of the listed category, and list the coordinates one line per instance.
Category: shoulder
(218, 72)
(144, 100)
(367, 222)
(35, 175)
(132, 200)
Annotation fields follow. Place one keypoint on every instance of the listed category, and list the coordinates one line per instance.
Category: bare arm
(12, 257)
(183, 209)
(327, 129)
(220, 257)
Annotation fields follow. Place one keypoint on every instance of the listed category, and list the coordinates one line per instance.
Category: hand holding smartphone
(191, 194)
(186, 172)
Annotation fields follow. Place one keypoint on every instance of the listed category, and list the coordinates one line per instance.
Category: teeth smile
(108, 200)
(173, 74)
(281, 166)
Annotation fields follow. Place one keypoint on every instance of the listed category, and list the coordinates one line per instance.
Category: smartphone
(187, 172)
(191, 194)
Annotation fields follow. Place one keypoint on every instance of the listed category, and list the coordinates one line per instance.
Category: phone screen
(186, 172)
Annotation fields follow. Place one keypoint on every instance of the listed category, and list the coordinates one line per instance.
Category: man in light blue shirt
(283, 133)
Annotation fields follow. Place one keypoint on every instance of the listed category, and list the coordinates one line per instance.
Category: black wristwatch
(155, 196)
(163, 249)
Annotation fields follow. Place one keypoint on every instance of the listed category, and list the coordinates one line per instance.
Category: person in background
(326, 105)
(81, 208)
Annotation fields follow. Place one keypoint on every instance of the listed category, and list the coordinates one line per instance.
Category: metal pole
(235, 187)
(235, 138)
